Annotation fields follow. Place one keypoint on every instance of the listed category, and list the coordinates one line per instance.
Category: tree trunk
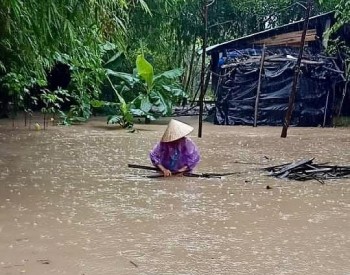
(190, 69)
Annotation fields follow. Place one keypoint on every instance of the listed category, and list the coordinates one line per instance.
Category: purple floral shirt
(175, 155)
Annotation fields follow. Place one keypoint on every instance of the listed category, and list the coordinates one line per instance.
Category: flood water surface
(70, 205)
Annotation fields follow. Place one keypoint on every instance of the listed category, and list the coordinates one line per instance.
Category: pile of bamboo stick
(304, 170)
(288, 39)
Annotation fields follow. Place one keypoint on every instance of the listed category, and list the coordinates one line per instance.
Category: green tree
(87, 34)
(36, 34)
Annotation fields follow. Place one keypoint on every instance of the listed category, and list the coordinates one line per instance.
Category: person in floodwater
(175, 153)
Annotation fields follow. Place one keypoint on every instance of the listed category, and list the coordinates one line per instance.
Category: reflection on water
(70, 205)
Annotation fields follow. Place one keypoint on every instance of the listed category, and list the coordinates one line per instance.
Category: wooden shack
(238, 73)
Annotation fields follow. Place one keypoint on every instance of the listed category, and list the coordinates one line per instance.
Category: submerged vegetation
(67, 58)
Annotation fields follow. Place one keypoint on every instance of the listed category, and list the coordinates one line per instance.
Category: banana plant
(160, 91)
(125, 118)
(123, 114)
(156, 94)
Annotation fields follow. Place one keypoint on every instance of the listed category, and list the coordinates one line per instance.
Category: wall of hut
(238, 80)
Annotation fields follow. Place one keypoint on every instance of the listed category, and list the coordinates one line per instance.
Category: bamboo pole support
(342, 99)
(296, 74)
(346, 81)
(204, 46)
(259, 86)
(325, 110)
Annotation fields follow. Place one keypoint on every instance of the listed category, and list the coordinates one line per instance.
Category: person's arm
(183, 169)
(192, 155)
(155, 157)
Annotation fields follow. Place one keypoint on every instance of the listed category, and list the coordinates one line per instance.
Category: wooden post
(325, 110)
(259, 86)
(296, 73)
(346, 81)
(25, 118)
(204, 46)
(342, 99)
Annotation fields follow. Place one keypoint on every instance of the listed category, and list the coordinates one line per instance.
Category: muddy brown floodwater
(70, 205)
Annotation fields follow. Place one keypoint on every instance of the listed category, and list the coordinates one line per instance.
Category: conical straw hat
(176, 130)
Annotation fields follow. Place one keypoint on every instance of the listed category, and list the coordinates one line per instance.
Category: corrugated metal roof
(265, 33)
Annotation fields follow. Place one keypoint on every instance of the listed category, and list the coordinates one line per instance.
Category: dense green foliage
(97, 39)
(36, 35)
(154, 97)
